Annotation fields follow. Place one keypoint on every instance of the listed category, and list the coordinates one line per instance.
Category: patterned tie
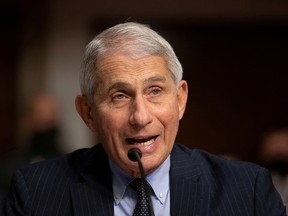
(142, 206)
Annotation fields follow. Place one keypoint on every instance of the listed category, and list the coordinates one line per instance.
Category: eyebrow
(118, 85)
(150, 80)
(153, 79)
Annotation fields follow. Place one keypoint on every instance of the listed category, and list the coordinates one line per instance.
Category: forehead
(124, 67)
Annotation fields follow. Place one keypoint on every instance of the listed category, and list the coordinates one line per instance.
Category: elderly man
(133, 96)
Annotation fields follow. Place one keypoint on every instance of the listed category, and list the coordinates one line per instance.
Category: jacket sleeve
(267, 200)
(16, 202)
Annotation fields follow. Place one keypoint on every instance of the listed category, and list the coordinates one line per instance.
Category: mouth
(141, 141)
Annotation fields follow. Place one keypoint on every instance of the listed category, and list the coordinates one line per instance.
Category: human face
(137, 104)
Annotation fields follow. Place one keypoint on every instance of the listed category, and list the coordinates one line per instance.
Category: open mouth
(141, 141)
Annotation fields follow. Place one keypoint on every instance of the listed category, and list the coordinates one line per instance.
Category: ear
(182, 97)
(84, 109)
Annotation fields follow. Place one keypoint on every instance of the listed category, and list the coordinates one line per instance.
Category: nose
(140, 115)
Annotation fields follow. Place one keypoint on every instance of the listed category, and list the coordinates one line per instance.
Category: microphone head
(134, 153)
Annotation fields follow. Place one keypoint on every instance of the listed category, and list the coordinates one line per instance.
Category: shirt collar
(158, 179)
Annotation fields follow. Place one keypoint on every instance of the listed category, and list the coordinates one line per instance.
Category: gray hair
(136, 40)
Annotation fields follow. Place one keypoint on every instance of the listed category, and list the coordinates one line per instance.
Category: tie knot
(138, 185)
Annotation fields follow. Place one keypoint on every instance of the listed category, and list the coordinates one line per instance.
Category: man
(273, 154)
(133, 95)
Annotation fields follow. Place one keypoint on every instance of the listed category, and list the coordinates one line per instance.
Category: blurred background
(234, 55)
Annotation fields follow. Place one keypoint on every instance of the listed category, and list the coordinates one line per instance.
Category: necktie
(142, 206)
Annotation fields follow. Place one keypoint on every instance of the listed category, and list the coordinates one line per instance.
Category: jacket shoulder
(47, 184)
(216, 167)
(66, 165)
(230, 185)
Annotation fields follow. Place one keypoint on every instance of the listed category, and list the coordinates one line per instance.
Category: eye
(119, 96)
(155, 91)
(119, 99)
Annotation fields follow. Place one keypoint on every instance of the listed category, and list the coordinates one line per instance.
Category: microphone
(135, 154)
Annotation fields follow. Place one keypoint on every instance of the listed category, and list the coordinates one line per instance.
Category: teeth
(141, 142)
(146, 143)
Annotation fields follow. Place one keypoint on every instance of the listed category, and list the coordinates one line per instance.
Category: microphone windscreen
(133, 153)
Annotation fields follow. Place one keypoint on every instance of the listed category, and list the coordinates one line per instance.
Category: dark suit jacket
(200, 184)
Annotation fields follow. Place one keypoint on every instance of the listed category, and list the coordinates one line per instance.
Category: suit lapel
(189, 195)
(91, 192)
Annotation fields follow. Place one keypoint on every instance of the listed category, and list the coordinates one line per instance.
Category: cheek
(168, 114)
(170, 120)
(109, 123)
